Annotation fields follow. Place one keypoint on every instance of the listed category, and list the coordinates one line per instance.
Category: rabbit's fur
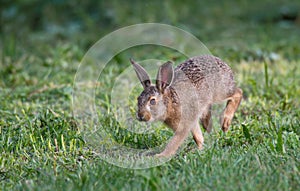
(182, 96)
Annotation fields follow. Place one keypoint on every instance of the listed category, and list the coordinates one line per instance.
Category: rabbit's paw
(226, 121)
(163, 155)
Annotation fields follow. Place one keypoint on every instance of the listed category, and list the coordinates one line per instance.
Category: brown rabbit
(182, 96)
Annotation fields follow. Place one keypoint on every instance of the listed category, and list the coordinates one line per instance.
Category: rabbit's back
(212, 77)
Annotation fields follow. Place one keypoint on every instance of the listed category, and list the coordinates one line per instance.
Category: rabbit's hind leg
(232, 105)
(198, 136)
(206, 119)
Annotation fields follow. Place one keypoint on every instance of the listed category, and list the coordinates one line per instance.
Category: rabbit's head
(152, 102)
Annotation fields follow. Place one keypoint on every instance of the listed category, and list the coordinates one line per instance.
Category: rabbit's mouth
(144, 117)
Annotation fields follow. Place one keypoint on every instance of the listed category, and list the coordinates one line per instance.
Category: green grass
(41, 142)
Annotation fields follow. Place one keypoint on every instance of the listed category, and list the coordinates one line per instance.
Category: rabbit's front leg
(198, 136)
(206, 119)
(175, 142)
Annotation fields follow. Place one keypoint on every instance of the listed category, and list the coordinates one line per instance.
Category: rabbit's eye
(152, 101)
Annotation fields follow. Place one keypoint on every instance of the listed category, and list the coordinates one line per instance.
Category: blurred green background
(31, 22)
(232, 30)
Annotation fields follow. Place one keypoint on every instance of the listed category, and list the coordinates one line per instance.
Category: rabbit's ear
(164, 76)
(141, 74)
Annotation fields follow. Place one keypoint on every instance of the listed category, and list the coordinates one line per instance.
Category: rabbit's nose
(140, 116)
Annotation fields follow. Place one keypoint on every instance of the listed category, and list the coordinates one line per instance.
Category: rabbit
(181, 97)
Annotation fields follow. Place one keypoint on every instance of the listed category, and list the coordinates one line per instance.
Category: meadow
(41, 142)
